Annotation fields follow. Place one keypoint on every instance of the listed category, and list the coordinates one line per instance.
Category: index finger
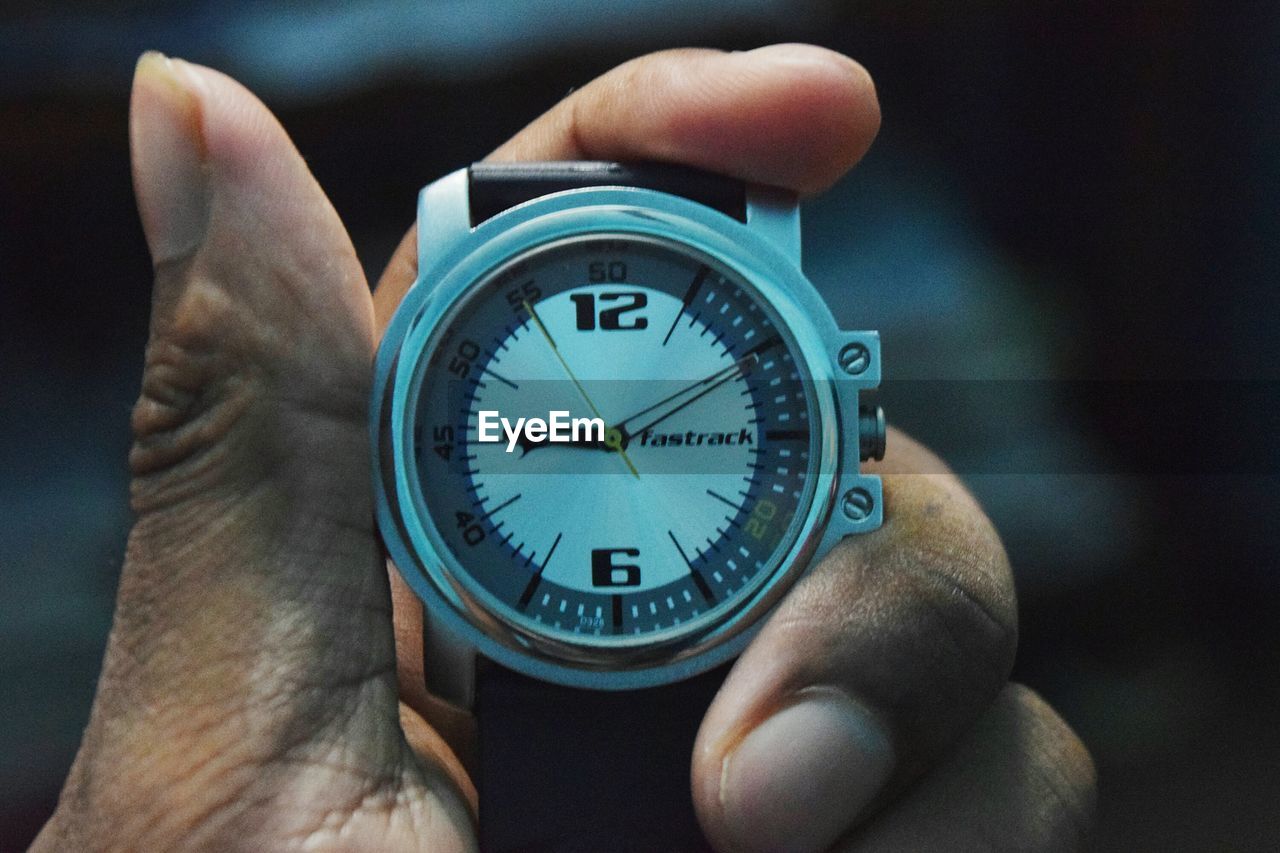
(787, 115)
(793, 116)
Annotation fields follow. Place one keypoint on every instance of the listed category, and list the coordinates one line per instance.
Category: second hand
(612, 437)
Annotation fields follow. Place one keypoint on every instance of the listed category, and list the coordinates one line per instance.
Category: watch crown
(871, 431)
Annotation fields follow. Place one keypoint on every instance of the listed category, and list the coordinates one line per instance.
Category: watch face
(686, 425)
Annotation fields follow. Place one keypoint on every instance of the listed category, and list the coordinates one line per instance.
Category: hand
(873, 711)
(249, 694)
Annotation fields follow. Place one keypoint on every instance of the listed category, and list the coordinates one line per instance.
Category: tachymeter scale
(691, 502)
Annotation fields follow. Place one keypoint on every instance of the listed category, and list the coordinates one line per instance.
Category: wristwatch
(612, 424)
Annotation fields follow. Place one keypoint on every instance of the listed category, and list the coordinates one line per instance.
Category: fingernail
(799, 779)
(167, 140)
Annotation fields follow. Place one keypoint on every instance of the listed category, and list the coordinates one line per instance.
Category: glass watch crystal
(668, 518)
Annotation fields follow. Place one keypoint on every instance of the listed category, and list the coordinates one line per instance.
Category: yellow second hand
(617, 443)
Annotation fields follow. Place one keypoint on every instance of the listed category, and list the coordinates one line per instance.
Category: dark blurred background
(1067, 233)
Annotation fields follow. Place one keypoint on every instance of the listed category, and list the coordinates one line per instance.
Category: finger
(251, 660)
(793, 116)
(426, 740)
(878, 660)
(787, 115)
(1020, 780)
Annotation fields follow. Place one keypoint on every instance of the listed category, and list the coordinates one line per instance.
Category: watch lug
(444, 219)
(775, 215)
(859, 497)
(859, 508)
(449, 663)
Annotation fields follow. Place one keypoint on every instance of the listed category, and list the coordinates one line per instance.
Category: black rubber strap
(580, 771)
(495, 187)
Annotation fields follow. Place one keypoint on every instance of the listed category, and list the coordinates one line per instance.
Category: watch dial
(660, 524)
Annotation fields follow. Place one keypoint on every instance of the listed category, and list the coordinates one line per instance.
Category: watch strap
(565, 770)
(495, 187)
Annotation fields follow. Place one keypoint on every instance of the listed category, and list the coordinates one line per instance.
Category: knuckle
(969, 622)
(944, 601)
(918, 618)
(199, 389)
(944, 654)
(238, 383)
(185, 423)
(953, 573)
(1063, 778)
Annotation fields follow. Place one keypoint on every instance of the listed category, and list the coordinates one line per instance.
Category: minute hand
(711, 382)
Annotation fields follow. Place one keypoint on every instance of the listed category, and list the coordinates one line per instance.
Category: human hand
(249, 694)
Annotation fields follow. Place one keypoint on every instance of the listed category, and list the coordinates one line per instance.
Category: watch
(612, 424)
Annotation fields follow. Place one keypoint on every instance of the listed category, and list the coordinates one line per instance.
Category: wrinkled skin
(252, 695)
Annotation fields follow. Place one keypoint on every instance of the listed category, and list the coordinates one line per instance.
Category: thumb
(250, 675)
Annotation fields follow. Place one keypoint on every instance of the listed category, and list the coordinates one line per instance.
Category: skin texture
(262, 682)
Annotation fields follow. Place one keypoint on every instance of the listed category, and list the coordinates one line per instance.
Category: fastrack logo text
(648, 438)
(558, 428)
